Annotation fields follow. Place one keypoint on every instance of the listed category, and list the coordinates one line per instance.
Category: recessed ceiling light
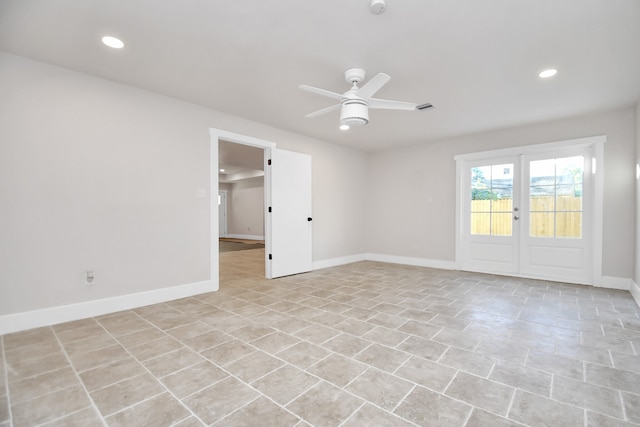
(113, 42)
(547, 73)
(344, 127)
(221, 170)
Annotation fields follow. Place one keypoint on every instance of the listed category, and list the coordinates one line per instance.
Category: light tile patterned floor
(366, 344)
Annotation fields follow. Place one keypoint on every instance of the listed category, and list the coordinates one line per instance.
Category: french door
(528, 215)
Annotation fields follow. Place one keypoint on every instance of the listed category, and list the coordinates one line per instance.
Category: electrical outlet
(89, 278)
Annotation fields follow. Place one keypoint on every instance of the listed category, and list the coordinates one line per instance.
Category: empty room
(319, 213)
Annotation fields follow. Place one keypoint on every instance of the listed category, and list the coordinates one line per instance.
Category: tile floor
(366, 344)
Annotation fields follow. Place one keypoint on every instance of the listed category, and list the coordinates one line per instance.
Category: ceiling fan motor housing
(354, 113)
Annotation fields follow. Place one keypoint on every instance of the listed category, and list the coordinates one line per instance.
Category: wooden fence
(549, 217)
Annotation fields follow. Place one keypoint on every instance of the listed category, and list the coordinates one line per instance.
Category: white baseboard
(243, 236)
(418, 262)
(334, 262)
(66, 313)
(635, 292)
(611, 282)
(392, 259)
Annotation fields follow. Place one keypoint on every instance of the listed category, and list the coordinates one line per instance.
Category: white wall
(411, 196)
(95, 174)
(245, 207)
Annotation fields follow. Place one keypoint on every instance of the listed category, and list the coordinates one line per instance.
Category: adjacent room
(335, 213)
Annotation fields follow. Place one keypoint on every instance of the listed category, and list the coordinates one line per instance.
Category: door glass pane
(555, 197)
(542, 224)
(501, 224)
(569, 224)
(481, 223)
(492, 200)
(541, 199)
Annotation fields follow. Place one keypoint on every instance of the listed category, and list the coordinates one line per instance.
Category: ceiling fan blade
(373, 85)
(322, 92)
(385, 104)
(323, 111)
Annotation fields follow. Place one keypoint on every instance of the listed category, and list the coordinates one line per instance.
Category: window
(555, 197)
(492, 200)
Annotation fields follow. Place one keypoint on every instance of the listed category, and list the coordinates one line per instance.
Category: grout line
(613, 364)
(585, 418)
(444, 390)
(401, 401)
(624, 410)
(149, 372)
(364, 402)
(237, 410)
(513, 398)
(75, 372)
(466, 420)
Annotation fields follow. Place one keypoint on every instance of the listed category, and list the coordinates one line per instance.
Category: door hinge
(269, 162)
(269, 209)
(270, 256)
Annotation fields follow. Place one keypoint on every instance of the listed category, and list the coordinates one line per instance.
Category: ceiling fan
(355, 103)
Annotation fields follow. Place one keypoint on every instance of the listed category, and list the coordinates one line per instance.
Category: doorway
(530, 214)
(287, 189)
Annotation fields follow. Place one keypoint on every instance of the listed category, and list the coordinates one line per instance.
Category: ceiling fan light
(354, 113)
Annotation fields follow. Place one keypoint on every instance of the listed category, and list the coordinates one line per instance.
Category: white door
(222, 213)
(528, 215)
(557, 212)
(490, 230)
(289, 218)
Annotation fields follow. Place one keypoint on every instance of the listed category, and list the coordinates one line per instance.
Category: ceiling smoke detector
(378, 7)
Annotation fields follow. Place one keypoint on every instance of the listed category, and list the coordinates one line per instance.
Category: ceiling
(238, 161)
(475, 61)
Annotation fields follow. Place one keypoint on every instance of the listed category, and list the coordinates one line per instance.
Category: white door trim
(215, 136)
(222, 194)
(597, 142)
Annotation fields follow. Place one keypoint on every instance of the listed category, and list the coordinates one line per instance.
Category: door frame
(595, 142)
(215, 136)
(222, 194)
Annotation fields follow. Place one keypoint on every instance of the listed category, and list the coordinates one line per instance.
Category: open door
(288, 229)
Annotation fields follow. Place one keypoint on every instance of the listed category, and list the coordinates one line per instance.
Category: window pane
(502, 205)
(501, 224)
(568, 203)
(480, 205)
(570, 169)
(481, 224)
(492, 199)
(542, 203)
(556, 197)
(481, 183)
(542, 169)
(501, 184)
(541, 224)
(569, 224)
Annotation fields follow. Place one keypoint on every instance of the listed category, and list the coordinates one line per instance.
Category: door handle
(309, 219)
